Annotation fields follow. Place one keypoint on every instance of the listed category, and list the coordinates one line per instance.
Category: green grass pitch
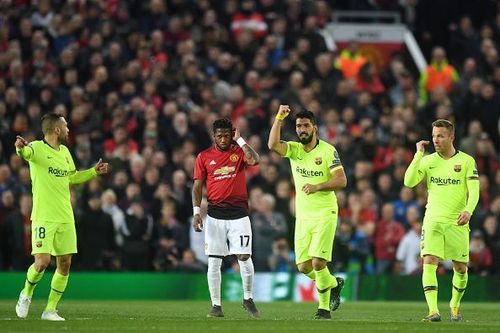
(190, 316)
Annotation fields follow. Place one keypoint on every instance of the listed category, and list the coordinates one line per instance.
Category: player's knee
(304, 268)
(63, 265)
(41, 263)
(460, 268)
(243, 257)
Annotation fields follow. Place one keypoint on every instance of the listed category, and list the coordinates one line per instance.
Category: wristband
(281, 117)
(241, 142)
(196, 210)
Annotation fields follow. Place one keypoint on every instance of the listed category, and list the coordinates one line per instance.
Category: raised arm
(413, 174)
(274, 143)
(251, 156)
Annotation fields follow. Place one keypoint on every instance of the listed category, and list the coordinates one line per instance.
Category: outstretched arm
(274, 143)
(78, 177)
(23, 149)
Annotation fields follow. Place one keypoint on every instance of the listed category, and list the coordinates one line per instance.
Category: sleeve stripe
(334, 168)
(473, 178)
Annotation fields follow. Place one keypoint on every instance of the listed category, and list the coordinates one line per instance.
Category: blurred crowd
(140, 83)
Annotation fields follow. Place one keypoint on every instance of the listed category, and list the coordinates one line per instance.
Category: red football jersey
(224, 173)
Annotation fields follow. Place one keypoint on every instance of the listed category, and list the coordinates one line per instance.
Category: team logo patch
(234, 158)
(457, 167)
(39, 244)
(318, 160)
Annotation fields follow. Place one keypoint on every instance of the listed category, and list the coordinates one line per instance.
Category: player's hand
(197, 223)
(421, 145)
(236, 134)
(283, 112)
(20, 142)
(309, 189)
(101, 168)
(463, 218)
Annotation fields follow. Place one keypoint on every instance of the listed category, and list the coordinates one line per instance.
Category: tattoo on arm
(251, 155)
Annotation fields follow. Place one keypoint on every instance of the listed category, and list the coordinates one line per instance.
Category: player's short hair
(446, 124)
(222, 123)
(306, 114)
(49, 122)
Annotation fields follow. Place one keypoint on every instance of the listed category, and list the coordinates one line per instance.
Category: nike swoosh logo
(49, 157)
(464, 255)
(431, 167)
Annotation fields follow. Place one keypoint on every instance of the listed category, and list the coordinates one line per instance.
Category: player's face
(62, 131)
(223, 138)
(305, 130)
(442, 139)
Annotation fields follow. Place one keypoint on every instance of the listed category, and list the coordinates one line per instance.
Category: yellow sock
(311, 275)
(430, 284)
(324, 282)
(57, 287)
(459, 282)
(32, 278)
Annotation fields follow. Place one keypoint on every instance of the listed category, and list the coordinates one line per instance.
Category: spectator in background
(408, 253)
(137, 246)
(480, 255)
(388, 233)
(439, 74)
(491, 233)
(109, 206)
(350, 61)
(267, 224)
(188, 263)
(96, 237)
(281, 259)
(7, 207)
(18, 233)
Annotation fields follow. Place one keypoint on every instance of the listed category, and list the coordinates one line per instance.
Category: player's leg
(320, 250)
(64, 248)
(57, 288)
(240, 243)
(42, 236)
(33, 276)
(432, 249)
(302, 241)
(215, 249)
(457, 249)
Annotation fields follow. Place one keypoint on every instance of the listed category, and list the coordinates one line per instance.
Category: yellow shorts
(54, 238)
(447, 241)
(314, 238)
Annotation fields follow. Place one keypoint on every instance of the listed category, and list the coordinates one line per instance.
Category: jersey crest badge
(318, 160)
(234, 158)
(457, 168)
(39, 244)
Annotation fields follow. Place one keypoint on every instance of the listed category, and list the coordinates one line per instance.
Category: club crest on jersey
(457, 167)
(318, 160)
(234, 158)
(39, 244)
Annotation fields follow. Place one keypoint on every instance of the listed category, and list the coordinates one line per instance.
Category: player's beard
(63, 139)
(306, 139)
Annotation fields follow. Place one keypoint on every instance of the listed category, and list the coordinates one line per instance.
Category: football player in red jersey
(227, 226)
